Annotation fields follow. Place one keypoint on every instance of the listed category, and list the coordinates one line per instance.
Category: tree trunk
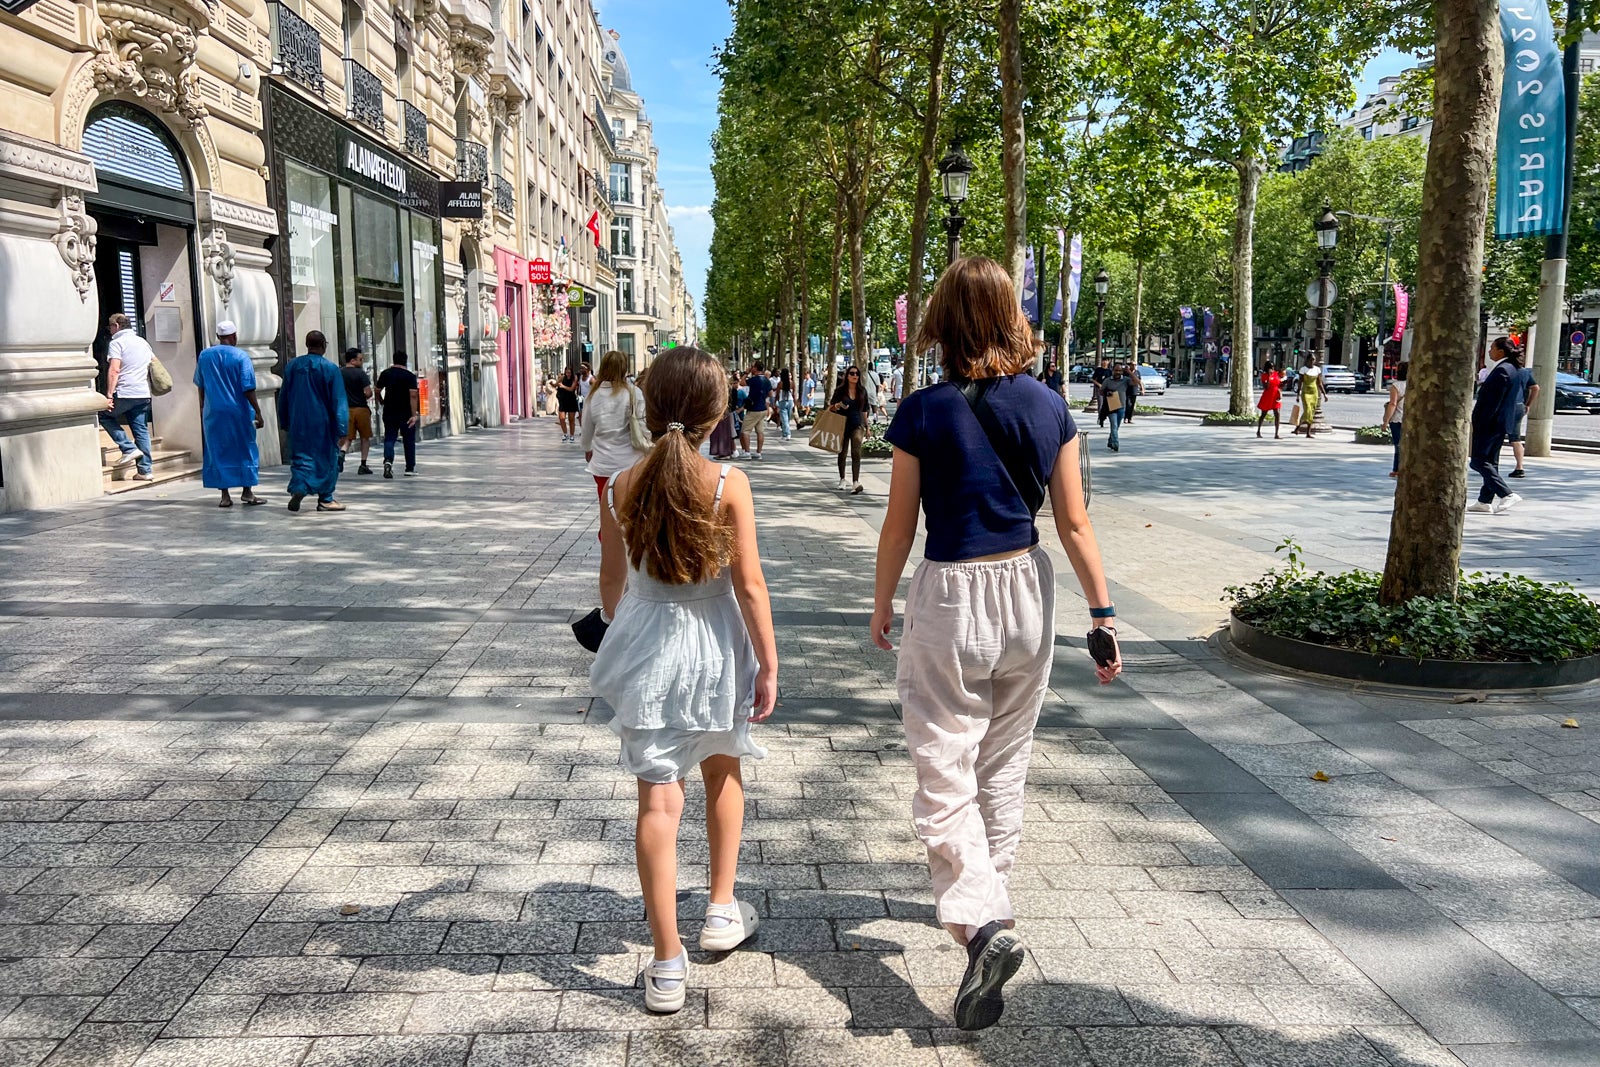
(858, 276)
(803, 345)
(926, 161)
(1138, 310)
(1242, 362)
(1425, 534)
(833, 292)
(1014, 140)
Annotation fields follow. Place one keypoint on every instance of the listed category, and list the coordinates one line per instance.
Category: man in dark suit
(1493, 416)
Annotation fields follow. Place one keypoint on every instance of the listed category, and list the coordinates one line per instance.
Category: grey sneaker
(992, 958)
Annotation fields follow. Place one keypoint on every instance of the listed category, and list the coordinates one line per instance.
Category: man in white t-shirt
(897, 384)
(128, 395)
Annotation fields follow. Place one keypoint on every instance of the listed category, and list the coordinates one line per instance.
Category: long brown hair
(976, 321)
(669, 520)
(613, 371)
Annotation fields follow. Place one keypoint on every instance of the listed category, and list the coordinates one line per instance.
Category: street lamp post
(954, 170)
(1102, 282)
(1327, 229)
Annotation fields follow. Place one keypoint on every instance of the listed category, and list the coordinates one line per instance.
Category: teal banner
(1530, 172)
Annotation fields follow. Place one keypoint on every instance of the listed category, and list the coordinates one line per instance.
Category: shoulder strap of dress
(611, 495)
(722, 480)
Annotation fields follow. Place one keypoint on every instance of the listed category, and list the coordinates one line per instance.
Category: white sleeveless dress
(679, 671)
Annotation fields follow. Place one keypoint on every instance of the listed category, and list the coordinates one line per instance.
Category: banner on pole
(1186, 315)
(1075, 280)
(1211, 324)
(900, 317)
(1531, 165)
(1061, 286)
(1402, 310)
(1030, 288)
(847, 335)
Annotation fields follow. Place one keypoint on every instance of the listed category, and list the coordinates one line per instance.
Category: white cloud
(688, 211)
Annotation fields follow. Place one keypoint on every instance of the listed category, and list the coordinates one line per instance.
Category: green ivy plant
(1223, 418)
(1503, 617)
(1373, 435)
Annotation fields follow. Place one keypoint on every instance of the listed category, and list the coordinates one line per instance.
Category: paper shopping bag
(1294, 416)
(828, 432)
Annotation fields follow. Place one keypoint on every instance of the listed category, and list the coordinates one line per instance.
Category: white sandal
(661, 1000)
(742, 923)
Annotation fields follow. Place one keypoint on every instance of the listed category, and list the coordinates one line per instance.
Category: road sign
(1322, 293)
(1227, 350)
(1577, 337)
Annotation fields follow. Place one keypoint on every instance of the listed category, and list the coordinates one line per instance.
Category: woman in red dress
(1271, 398)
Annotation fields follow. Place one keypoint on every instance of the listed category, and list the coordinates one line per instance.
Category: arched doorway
(145, 262)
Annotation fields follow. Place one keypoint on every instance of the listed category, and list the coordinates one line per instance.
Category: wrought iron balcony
(416, 129)
(505, 197)
(472, 161)
(603, 254)
(604, 122)
(366, 95)
(296, 48)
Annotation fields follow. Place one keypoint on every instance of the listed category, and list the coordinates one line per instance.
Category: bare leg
(1261, 419)
(1516, 450)
(1276, 416)
(656, 851)
(366, 448)
(724, 823)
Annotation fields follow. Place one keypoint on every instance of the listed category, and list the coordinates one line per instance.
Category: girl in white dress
(689, 661)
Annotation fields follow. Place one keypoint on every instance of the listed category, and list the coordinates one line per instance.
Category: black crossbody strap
(1024, 477)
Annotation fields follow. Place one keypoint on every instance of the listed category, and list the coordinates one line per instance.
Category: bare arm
(113, 370)
(250, 395)
(1533, 394)
(613, 559)
(1077, 537)
(750, 587)
(416, 406)
(895, 539)
(1394, 401)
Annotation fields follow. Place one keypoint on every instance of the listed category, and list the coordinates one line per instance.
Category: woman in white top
(1394, 413)
(607, 437)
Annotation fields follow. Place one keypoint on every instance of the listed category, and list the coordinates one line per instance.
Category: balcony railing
(601, 120)
(505, 197)
(366, 95)
(296, 48)
(472, 161)
(603, 254)
(602, 187)
(416, 129)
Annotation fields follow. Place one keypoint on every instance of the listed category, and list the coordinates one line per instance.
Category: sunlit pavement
(321, 789)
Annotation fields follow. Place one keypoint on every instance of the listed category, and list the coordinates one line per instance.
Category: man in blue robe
(312, 407)
(229, 416)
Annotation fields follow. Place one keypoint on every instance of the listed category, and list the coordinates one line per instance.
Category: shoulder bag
(638, 431)
(1024, 478)
(160, 380)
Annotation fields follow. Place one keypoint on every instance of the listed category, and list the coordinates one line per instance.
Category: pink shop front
(535, 330)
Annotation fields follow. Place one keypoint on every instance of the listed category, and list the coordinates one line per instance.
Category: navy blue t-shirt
(971, 506)
(760, 388)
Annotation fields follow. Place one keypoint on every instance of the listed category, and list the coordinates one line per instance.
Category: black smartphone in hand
(1103, 646)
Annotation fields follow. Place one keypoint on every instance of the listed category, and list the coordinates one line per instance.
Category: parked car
(1575, 395)
(1081, 373)
(1152, 382)
(1337, 378)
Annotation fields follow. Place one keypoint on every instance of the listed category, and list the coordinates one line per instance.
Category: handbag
(827, 433)
(638, 432)
(1024, 476)
(1294, 416)
(590, 630)
(160, 380)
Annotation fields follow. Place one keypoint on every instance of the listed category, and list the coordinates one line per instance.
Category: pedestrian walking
(1135, 391)
(808, 387)
(1271, 400)
(1097, 378)
(400, 394)
(851, 400)
(358, 397)
(1527, 393)
(758, 391)
(1394, 414)
(1310, 385)
(1493, 414)
(785, 403)
(313, 409)
(128, 396)
(567, 404)
(977, 456)
(229, 418)
(1115, 398)
(897, 383)
(585, 386)
(689, 660)
(608, 437)
(724, 440)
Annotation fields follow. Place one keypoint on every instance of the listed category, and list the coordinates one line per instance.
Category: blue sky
(669, 46)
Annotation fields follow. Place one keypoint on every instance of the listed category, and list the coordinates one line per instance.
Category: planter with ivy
(1374, 435)
(1500, 632)
(1224, 418)
(874, 445)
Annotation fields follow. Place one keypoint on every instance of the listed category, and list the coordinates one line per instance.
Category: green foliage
(1373, 435)
(874, 445)
(1223, 418)
(1505, 617)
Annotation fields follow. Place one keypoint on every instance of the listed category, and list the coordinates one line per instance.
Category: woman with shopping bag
(852, 401)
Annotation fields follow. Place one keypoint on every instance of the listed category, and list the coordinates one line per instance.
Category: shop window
(377, 240)
(313, 233)
(425, 302)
